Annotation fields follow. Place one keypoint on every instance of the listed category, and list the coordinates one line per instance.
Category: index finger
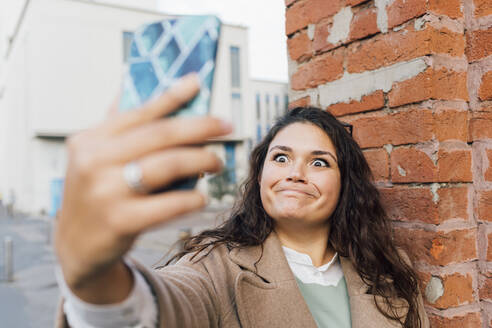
(113, 108)
(178, 95)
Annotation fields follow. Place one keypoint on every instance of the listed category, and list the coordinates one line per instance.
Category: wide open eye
(281, 158)
(320, 162)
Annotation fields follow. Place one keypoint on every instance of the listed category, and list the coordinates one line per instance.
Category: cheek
(329, 185)
(269, 176)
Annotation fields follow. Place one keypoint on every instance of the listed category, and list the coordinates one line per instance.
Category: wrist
(110, 285)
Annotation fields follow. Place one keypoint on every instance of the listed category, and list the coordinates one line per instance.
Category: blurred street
(29, 301)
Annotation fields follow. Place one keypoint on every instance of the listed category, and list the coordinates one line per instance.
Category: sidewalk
(30, 300)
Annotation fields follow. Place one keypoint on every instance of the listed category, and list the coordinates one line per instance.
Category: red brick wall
(414, 77)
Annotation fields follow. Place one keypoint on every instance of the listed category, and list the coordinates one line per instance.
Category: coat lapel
(267, 294)
(364, 312)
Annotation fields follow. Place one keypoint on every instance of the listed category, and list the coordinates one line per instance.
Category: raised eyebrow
(314, 152)
(284, 148)
(322, 152)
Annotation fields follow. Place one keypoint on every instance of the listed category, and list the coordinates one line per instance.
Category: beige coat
(224, 289)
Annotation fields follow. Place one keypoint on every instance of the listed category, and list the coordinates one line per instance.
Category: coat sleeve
(184, 294)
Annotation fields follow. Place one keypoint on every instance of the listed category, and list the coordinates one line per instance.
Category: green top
(329, 305)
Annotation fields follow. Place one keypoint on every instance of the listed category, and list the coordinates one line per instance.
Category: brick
(450, 85)
(458, 290)
(413, 90)
(401, 11)
(438, 248)
(485, 290)
(485, 91)
(410, 204)
(450, 8)
(321, 33)
(485, 205)
(378, 161)
(478, 44)
(483, 8)
(480, 126)
(470, 320)
(453, 203)
(321, 69)
(394, 128)
(302, 102)
(299, 46)
(305, 12)
(370, 102)
(364, 23)
(489, 247)
(355, 2)
(442, 84)
(455, 166)
(412, 165)
(393, 47)
(488, 172)
(445, 119)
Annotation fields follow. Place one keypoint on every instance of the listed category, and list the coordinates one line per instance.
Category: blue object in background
(230, 160)
(163, 52)
(56, 193)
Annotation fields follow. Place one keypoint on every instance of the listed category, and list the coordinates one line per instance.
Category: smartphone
(164, 51)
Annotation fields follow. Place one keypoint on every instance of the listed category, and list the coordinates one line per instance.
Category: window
(258, 117)
(277, 106)
(267, 110)
(230, 161)
(258, 107)
(235, 68)
(127, 45)
(286, 104)
(237, 112)
(258, 132)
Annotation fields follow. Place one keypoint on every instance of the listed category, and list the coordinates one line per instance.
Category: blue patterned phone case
(164, 51)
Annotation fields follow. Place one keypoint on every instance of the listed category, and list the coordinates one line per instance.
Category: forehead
(303, 136)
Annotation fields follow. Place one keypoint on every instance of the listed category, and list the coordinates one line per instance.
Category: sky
(266, 22)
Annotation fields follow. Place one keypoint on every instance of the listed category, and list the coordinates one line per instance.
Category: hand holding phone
(101, 216)
(163, 52)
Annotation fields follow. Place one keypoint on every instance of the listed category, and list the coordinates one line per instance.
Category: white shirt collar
(302, 267)
(304, 259)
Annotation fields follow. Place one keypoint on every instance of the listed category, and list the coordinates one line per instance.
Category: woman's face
(300, 179)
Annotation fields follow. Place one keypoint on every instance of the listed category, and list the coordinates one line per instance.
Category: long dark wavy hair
(359, 227)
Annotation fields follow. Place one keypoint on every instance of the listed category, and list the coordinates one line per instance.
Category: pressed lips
(296, 189)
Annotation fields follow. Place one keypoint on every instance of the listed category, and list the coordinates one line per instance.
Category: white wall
(143, 4)
(76, 62)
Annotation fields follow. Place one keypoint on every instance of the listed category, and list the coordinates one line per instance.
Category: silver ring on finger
(132, 174)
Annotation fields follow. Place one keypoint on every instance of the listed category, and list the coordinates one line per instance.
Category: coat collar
(273, 265)
(273, 269)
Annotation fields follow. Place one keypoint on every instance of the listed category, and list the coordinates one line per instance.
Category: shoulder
(212, 263)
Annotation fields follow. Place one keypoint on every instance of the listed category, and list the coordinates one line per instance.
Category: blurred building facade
(271, 101)
(61, 65)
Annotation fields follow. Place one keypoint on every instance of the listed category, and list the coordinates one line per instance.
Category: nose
(297, 173)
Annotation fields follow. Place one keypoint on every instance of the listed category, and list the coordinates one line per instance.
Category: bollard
(183, 234)
(8, 247)
(48, 232)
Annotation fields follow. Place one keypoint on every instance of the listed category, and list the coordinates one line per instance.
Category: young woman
(308, 243)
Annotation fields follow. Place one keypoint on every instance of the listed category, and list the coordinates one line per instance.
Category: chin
(292, 214)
